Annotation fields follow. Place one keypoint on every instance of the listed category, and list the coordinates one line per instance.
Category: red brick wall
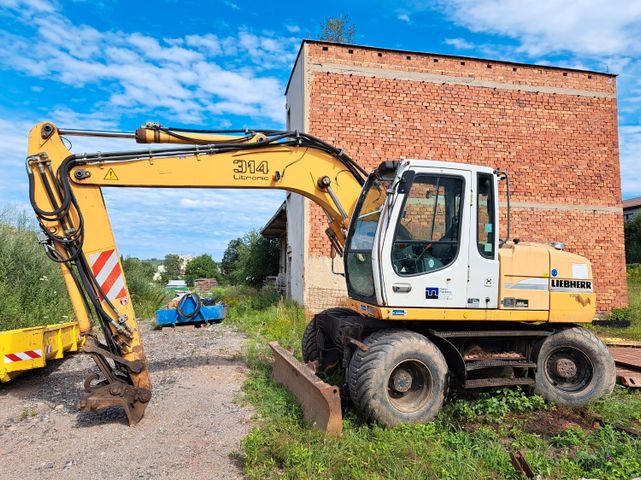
(559, 149)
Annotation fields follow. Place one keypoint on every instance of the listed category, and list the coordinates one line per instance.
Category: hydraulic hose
(196, 311)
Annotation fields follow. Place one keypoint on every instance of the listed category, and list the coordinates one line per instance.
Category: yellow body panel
(49, 342)
(527, 291)
(447, 314)
(578, 306)
(516, 287)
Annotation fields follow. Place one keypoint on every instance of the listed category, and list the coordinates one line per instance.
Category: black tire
(322, 338)
(574, 367)
(402, 378)
(309, 347)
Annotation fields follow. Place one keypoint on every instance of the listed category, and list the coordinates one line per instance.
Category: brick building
(554, 130)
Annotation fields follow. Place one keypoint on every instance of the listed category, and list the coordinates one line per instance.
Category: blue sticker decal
(364, 308)
(431, 293)
(398, 313)
(555, 272)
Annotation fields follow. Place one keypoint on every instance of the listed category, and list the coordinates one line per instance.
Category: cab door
(483, 284)
(423, 257)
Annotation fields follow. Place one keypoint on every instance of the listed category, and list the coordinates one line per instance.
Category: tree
(172, 264)
(202, 266)
(337, 29)
(633, 239)
(250, 259)
(229, 262)
(146, 295)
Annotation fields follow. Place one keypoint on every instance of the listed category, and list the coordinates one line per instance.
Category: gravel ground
(191, 429)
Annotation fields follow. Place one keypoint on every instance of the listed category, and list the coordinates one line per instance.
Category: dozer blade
(321, 401)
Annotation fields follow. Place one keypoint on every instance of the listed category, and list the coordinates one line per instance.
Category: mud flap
(321, 401)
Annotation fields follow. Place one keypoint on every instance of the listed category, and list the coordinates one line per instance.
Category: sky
(100, 64)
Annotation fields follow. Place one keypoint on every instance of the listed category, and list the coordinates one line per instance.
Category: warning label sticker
(111, 175)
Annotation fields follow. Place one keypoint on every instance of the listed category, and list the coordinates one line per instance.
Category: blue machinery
(191, 310)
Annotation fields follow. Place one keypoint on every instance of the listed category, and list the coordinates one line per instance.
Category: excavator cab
(419, 229)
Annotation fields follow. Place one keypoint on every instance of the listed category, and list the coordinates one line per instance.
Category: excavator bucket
(321, 401)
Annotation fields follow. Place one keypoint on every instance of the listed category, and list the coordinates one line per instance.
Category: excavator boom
(65, 192)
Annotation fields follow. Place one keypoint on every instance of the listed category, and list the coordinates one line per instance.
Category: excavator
(437, 301)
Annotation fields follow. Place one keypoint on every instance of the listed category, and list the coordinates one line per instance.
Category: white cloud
(292, 28)
(29, 6)
(585, 34)
(191, 221)
(630, 153)
(459, 43)
(403, 17)
(195, 78)
(585, 27)
(189, 78)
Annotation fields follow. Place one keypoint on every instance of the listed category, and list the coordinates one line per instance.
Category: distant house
(630, 207)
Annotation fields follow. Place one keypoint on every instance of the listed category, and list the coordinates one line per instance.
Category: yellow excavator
(437, 300)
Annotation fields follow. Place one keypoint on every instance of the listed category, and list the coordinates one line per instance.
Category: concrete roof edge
(442, 55)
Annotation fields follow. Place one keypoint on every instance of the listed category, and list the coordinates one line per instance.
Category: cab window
(427, 235)
(485, 223)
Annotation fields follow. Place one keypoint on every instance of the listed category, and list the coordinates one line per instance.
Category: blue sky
(224, 64)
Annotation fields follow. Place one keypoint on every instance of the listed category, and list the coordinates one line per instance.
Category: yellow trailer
(27, 348)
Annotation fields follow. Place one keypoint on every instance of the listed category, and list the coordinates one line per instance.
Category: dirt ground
(191, 430)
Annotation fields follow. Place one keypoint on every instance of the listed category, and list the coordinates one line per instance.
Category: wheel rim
(409, 386)
(568, 369)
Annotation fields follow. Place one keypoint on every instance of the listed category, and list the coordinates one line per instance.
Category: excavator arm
(65, 190)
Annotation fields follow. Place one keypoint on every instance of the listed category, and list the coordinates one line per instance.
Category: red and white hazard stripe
(106, 269)
(19, 356)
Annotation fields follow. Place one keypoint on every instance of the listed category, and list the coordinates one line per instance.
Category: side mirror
(405, 183)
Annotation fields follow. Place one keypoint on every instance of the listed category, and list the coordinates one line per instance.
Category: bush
(633, 239)
(32, 289)
(242, 298)
(634, 272)
(494, 406)
(146, 295)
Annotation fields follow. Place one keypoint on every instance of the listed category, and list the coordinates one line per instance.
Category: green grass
(471, 438)
(632, 312)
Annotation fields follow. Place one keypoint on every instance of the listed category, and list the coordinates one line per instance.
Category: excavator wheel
(322, 339)
(401, 378)
(309, 347)
(574, 367)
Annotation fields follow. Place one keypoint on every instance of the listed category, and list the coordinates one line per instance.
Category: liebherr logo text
(569, 285)
(251, 170)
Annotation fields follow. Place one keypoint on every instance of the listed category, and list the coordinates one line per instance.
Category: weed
(27, 412)
(494, 406)
(623, 406)
(571, 437)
